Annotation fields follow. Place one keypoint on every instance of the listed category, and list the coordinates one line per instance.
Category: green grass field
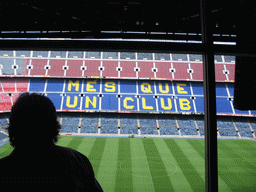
(145, 164)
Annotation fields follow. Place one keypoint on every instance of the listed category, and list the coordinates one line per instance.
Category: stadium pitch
(152, 164)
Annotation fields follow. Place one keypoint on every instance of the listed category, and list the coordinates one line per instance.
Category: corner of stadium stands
(121, 93)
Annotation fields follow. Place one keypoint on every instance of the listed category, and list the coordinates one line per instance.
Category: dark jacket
(51, 168)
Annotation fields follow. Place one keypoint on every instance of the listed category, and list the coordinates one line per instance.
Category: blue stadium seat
(19, 70)
(89, 123)
(7, 66)
(243, 127)
(193, 57)
(40, 53)
(167, 125)
(128, 124)
(223, 105)
(4, 53)
(55, 85)
(3, 136)
(61, 54)
(162, 56)
(37, 85)
(226, 127)
(78, 54)
(187, 125)
(23, 53)
(125, 55)
(89, 55)
(142, 56)
(109, 123)
(107, 55)
(70, 122)
(148, 125)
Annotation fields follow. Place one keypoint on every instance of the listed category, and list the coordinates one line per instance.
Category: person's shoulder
(5, 163)
(71, 152)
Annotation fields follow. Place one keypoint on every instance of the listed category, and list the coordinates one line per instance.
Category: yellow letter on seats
(144, 106)
(146, 89)
(90, 87)
(72, 105)
(111, 86)
(76, 84)
(184, 104)
(93, 103)
(181, 89)
(169, 104)
(125, 103)
(166, 88)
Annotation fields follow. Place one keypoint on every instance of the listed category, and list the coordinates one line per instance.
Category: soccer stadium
(132, 85)
(152, 97)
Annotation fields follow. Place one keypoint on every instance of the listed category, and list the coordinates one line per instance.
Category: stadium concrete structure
(119, 93)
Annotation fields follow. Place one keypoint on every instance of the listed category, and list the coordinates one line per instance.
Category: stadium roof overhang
(179, 20)
(188, 26)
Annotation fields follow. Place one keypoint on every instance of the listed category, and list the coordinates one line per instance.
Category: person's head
(33, 121)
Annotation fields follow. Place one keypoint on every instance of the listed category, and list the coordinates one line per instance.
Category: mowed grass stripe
(124, 180)
(6, 150)
(64, 140)
(159, 175)
(75, 142)
(231, 170)
(96, 153)
(198, 145)
(142, 180)
(247, 157)
(177, 178)
(108, 165)
(191, 174)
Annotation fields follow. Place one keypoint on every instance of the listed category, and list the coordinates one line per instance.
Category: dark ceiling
(128, 19)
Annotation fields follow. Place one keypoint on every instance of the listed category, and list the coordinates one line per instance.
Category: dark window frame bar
(207, 49)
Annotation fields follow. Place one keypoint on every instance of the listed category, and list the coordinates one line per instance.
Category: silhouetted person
(36, 163)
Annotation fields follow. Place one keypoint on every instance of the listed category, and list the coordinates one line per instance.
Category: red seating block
(74, 68)
(38, 66)
(8, 85)
(5, 102)
(25, 64)
(231, 69)
(219, 75)
(163, 70)
(14, 97)
(145, 69)
(110, 69)
(22, 85)
(181, 70)
(197, 71)
(92, 68)
(56, 68)
(128, 68)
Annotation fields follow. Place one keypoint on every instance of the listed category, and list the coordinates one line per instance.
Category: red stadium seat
(38, 67)
(74, 68)
(5, 102)
(110, 69)
(181, 70)
(197, 71)
(56, 67)
(163, 70)
(128, 69)
(22, 85)
(8, 85)
(231, 71)
(145, 69)
(92, 68)
(219, 74)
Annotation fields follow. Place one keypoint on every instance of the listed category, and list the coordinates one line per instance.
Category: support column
(211, 160)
